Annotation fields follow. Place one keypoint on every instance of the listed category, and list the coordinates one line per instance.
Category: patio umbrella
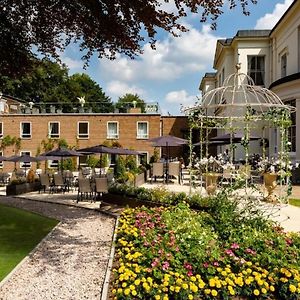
(167, 141)
(61, 153)
(97, 149)
(22, 158)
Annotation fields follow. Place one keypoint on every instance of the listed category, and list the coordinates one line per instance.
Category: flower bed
(177, 253)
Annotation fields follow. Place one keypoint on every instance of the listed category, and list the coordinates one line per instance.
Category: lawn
(20, 232)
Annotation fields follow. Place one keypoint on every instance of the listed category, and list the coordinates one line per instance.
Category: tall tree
(48, 82)
(130, 100)
(106, 27)
(81, 85)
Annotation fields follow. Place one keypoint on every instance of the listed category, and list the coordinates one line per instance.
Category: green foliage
(155, 156)
(49, 82)
(131, 165)
(8, 141)
(68, 164)
(92, 161)
(120, 170)
(129, 101)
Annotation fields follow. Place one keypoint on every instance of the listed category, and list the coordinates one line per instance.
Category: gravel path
(70, 263)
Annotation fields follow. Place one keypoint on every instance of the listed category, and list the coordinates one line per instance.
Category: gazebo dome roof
(236, 96)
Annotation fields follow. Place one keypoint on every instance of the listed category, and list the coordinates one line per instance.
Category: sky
(171, 74)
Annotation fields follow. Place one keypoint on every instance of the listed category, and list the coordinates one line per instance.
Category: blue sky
(171, 74)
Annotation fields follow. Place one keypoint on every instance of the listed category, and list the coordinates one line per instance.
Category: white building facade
(272, 59)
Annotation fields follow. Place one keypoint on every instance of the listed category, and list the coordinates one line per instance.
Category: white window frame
(1, 130)
(83, 136)
(53, 164)
(283, 65)
(145, 137)
(21, 131)
(1, 162)
(256, 70)
(107, 131)
(56, 135)
(22, 164)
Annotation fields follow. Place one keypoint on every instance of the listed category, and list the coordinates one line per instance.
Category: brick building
(84, 129)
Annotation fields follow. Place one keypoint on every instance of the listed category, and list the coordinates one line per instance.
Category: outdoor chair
(85, 190)
(227, 177)
(44, 182)
(157, 170)
(174, 170)
(101, 187)
(58, 183)
(69, 180)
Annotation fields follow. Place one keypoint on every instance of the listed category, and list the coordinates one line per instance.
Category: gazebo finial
(238, 67)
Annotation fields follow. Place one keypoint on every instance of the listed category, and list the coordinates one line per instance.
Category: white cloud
(269, 20)
(173, 58)
(118, 88)
(180, 97)
(72, 64)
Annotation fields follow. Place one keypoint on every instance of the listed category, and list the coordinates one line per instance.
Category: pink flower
(206, 265)
(229, 252)
(235, 246)
(189, 273)
(215, 263)
(155, 262)
(165, 265)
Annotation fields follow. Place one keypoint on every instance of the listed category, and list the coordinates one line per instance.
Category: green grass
(20, 232)
(295, 202)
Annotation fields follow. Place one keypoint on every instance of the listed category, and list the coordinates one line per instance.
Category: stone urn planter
(211, 182)
(270, 182)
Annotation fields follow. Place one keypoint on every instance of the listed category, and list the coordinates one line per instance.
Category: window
(53, 130)
(283, 65)
(142, 158)
(25, 165)
(83, 130)
(83, 161)
(1, 162)
(256, 69)
(1, 130)
(25, 130)
(112, 130)
(53, 164)
(292, 128)
(142, 130)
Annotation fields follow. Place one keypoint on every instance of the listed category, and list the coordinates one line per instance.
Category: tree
(106, 27)
(48, 82)
(130, 100)
(81, 85)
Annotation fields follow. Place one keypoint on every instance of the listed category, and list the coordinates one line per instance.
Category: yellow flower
(185, 286)
(214, 293)
(134, 293)
(207, 291)
(193, 278)
(292, 288)
(124, 284)
(137, 282)
(127, 292)
(272, 289)
(157, 297)
(263, 290)
(256, 292)
(190, 297)
(177, 289)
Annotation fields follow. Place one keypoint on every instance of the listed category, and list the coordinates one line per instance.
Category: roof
(251, 33)
(283, 16)
(210, 75)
